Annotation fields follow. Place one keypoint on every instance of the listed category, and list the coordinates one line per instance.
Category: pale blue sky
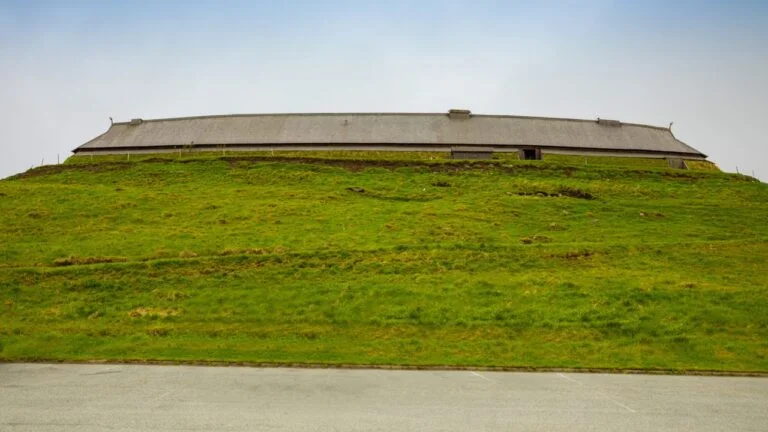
(66, 66)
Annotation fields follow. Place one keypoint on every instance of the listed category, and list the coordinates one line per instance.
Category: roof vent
(459, 114)
(606, 122)
(136, 122)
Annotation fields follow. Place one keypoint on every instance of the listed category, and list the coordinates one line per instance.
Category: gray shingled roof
(438, 131)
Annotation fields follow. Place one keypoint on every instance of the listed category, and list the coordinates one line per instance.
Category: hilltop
(385, 259)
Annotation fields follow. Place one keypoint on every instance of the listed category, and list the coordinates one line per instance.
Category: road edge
(352, 366)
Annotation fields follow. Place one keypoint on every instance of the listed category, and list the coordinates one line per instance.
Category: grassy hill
(394, 259)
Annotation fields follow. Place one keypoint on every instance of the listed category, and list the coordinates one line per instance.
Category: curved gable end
(388, 131)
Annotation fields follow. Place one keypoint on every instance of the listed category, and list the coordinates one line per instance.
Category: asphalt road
(42, 397)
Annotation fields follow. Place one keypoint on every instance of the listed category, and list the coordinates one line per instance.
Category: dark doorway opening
(530, 154)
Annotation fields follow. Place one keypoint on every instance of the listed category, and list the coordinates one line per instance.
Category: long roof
(400, 129)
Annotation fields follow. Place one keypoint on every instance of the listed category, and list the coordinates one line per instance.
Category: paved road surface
(41, 397)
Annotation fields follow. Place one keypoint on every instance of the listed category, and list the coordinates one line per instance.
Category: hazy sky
(67, 66)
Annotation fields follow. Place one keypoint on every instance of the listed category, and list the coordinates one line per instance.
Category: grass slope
(423, 262)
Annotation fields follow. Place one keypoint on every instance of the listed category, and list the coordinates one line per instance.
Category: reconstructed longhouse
(460, 132)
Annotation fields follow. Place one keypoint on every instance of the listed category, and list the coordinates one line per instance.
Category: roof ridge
(348, 114)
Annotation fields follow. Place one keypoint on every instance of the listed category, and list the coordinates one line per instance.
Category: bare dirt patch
(72, 260)
(561, 192)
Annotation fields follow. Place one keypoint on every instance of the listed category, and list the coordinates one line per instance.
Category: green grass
(501, 263)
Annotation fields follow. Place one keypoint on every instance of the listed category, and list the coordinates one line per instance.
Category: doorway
(530, 154)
